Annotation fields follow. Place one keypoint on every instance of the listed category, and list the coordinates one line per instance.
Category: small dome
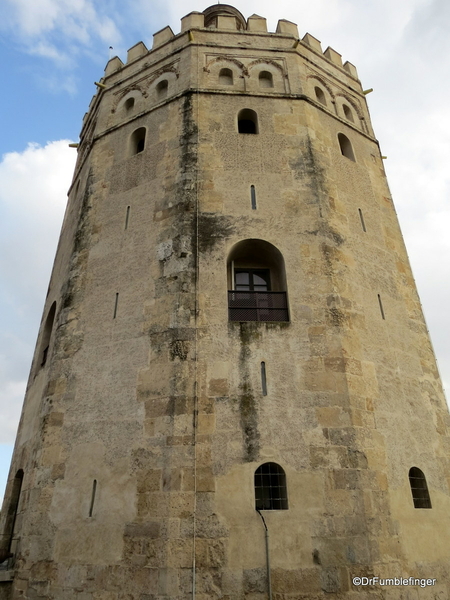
(212, 12)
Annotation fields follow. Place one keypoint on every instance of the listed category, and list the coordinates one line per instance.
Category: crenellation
(333, 56)
(113, 65)
(351, 69)
(194, 20)
(313, 42)
(287, 28)
(162, 36)
(136, 51)
(256, 23)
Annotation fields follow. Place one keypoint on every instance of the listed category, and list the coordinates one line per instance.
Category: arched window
(129, 104)
(346, 146)
(265, 79)
(320, 95)
(270, 487)
(162, 88)
(137, 142)
(8, 545)
(419, 488)
(257, 283)
(348, 113)
(226, 77)
(247, 121)
(46, 335)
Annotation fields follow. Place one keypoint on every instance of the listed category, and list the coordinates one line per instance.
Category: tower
(233, 393)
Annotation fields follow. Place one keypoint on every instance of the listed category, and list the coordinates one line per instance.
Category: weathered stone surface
(149, 410)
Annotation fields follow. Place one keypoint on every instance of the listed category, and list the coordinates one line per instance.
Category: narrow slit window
(381, 307)
(419, 488)
(362, 219)
(247, 121)
(226, 77)
(320, 96)
(127, 217)
(346, 147)
(270, 487)
(115, 305)
(94, 489)
(253, 196)
(138, 141)
(263, 379)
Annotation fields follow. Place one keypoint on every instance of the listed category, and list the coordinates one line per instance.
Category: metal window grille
(257, 306)
(270, 488)
(419, 488)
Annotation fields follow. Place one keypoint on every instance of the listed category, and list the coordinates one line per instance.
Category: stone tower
(233, 393)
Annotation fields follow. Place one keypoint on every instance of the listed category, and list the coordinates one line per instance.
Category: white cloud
(33, 194)
(11, 399)
(51, 28)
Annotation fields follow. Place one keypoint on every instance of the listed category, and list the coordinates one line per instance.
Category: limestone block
(179, 553)
(290, 582)
(162, 36)
(205, 480)
(287, 27)
(194, 20)
(136, 51)
(206, 423)
(210, 553)
(226, 22)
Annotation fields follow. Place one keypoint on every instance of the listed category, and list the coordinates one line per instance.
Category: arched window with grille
(270, 487)
(257, 283)
(419, 488)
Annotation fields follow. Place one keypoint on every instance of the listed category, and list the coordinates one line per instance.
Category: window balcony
(257, 306)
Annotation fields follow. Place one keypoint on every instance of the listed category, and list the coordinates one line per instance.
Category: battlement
(226, 19)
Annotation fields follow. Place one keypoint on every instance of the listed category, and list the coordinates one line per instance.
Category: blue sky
(53, 50)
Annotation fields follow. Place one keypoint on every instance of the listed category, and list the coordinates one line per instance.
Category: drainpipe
(269, 582)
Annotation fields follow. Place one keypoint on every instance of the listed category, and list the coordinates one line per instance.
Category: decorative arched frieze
(267, 61)
(324, 84)
(351, 102)
(167, 70)
(228, 59)
(128, 91)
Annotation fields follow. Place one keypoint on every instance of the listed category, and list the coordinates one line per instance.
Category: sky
(52, 51)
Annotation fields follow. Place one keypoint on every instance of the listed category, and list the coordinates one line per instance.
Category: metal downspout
(269, 581)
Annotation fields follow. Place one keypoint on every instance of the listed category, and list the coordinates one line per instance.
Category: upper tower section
(218, 51)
